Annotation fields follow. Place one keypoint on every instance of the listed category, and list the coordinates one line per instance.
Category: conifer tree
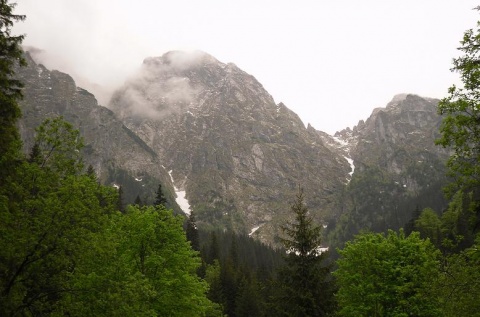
(11, 55)
(192, 232)
(305, 288)
(138, 201)
(160, 197)
(91, 172)
(120, 202)
(214, 249)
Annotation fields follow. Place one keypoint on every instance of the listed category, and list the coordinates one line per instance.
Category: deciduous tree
(388, 275)
(460, 128)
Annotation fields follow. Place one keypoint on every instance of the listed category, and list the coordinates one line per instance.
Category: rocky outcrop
(398, 167)
(117, 154)
(239, 156)
(210, 132)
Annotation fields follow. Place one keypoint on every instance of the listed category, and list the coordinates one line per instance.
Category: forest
(69, 246)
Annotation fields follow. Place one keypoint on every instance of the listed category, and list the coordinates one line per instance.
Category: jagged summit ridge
(238, 155)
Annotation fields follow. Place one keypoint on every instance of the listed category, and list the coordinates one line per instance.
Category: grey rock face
(211, 130)
(398, 168)
(116, 153)
(239, 156)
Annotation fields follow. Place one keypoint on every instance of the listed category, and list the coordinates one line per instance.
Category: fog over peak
(331, 62)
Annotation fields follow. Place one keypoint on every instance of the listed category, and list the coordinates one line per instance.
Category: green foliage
(47, 225)
(458, 287)
(11, 55)
(67, 251)
(59, 145)
(375, 201)
(304, 288)
(460, 128)
(459, 222)
(388, 275)
(429, 226)
(146, 268)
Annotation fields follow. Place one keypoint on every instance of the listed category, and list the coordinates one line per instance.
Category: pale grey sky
(332, 62)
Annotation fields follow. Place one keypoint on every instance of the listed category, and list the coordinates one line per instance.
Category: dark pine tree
(214, 249)
(35, 155)
(11, 55)
(120, 202)
(305, 287)
(91, 172)
(160, 197)
(138, 201)
(410, 225)
(192, 232)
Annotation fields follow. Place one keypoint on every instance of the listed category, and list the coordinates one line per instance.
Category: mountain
(239, 156)
(398, 168)
(118, 156)
(220, 146)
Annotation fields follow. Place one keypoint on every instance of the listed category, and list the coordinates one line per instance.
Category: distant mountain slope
(211, 133)
(398, 168)
(117, 154)
(239, 156)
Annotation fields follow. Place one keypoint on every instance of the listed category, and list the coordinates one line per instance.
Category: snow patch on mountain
(254, 229)
(181, 197)
(343, 143)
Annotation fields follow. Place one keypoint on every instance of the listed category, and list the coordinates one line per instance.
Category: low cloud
(161, 87)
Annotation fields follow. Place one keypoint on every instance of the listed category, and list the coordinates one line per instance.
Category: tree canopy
(387, 275)
(460, 128)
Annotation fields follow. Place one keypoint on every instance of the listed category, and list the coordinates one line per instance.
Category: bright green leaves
(461, 126)
(45, 232)
(140, 265)
(66, 250)
(59, 145)
(388, 275)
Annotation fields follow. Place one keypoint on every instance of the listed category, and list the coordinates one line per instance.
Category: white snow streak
(345, 147)
(181, 197)
(182, 201)
(254, 229)
(352, 166)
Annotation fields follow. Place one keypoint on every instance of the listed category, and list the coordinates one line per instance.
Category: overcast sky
(332, 62)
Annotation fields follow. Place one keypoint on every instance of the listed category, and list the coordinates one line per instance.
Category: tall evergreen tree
(120, 202)
(160, 197)
(305, 288)
(10, 88)
(214, 249)
(192, 232)
(138, 201)
(91, 172)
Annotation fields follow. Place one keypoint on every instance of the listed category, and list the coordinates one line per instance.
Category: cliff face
(117, 154)
(397, 166)
(210, 131)
(239, 156)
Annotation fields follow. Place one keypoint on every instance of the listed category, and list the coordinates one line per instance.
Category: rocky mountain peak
(181, 60)
(212, 135)
(238, 156)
